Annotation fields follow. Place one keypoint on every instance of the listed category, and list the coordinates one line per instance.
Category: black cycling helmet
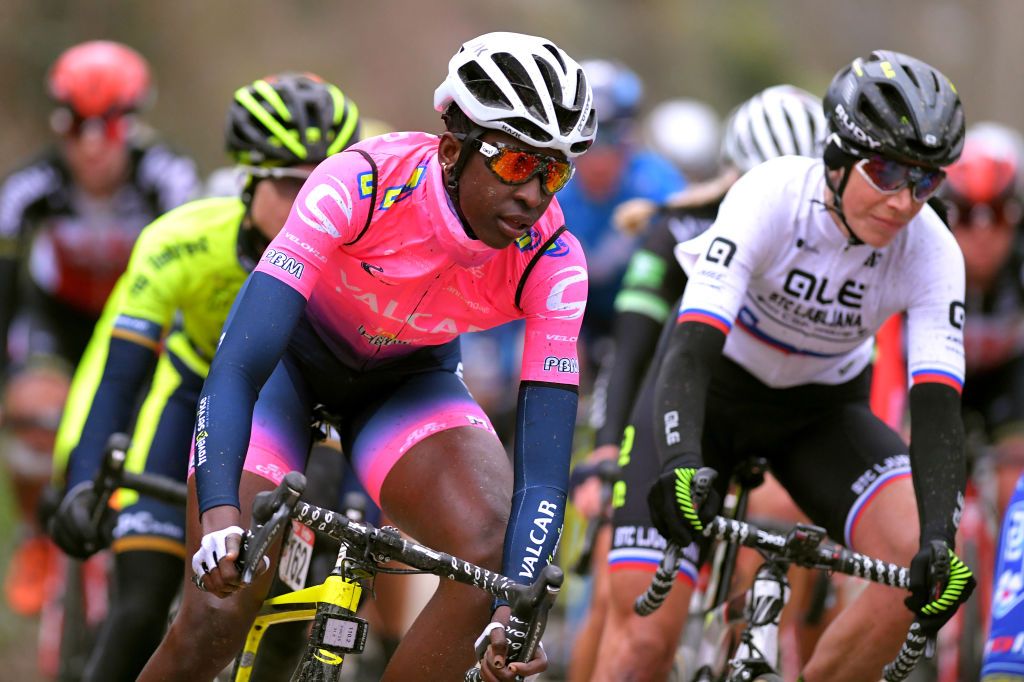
(895, 106)
(290, 119)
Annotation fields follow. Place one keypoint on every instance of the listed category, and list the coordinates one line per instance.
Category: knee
(635, 648)
(138, 618)
(876, 535)
(648, 641)
(481, 539)
(215, 626)
(474, 533)
(651, 646)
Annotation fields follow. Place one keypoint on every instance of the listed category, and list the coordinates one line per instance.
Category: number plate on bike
(298, 550)
(341, 634)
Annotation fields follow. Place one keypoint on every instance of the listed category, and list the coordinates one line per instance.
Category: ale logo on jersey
(721, 251)
(957, 314)
(808, 287)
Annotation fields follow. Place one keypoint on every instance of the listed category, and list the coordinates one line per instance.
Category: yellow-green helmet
(290, 119)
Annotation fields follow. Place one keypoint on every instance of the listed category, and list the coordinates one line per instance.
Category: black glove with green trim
(677, 510)
(939, 583)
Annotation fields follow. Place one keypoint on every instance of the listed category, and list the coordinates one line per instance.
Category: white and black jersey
(807, 303)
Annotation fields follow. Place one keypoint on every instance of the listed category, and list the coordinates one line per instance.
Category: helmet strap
(451, 177)
(251, 243)
(837, 158)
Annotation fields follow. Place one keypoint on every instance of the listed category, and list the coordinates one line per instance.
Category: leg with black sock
(145, 585)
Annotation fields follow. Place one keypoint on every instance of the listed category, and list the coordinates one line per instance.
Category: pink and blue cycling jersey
(375, 246)
(357, 304)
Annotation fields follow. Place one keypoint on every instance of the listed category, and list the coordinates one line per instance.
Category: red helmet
(100, 77)
(988, 170)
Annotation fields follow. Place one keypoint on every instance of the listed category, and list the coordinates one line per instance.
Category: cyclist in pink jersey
(391, 251)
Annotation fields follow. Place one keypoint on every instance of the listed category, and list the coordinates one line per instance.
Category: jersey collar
(451, 237)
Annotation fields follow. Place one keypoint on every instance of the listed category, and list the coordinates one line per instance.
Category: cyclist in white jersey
(806, 259)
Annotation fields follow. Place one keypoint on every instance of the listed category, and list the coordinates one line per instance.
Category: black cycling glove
(675, 511)
(939, 583)
(72, 527)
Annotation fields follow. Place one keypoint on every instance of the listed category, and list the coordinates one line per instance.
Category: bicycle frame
(337, 597)
(336, 631)
(759, 610)
(762, 605)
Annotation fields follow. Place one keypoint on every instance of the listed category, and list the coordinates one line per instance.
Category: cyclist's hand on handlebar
(493, 649)
(71, 526)
(677, 515)
(939, 583)
(214, 562)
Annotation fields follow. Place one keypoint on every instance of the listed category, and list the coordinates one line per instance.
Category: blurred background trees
(390, 54)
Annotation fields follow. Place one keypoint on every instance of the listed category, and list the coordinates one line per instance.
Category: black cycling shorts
(822, 442)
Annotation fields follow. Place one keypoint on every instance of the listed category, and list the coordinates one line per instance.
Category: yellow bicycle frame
(295, 606)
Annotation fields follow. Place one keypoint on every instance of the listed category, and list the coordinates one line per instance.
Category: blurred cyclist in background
(186, 266)
(617, 168)
(688, 133)
(67, 224)
(983, 192)
(777, 121)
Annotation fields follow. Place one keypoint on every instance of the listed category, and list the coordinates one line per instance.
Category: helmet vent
(567, 119)
(580, 147)
(778, 144)
(521, 82)
(557, 54)
(529, 128)
(551, 80)
(912, 75)
(891, 98)
(482, 87)
(786, 146)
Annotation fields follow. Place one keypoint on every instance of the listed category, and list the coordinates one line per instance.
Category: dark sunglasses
(889, 177)
(113, 127)
(1006, 212)
(517, 166)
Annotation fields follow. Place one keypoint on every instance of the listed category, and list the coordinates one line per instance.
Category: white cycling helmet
(687, 132)
(778, 121)
(524, 86)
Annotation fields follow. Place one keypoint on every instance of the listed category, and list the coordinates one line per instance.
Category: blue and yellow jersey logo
(392, 195)
(365, 181)
(532, 239)
(529, 241)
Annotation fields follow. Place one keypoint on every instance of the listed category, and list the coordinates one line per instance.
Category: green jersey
(184, 271)
(186, 263)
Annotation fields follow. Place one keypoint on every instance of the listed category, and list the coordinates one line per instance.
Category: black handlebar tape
(267, 502)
